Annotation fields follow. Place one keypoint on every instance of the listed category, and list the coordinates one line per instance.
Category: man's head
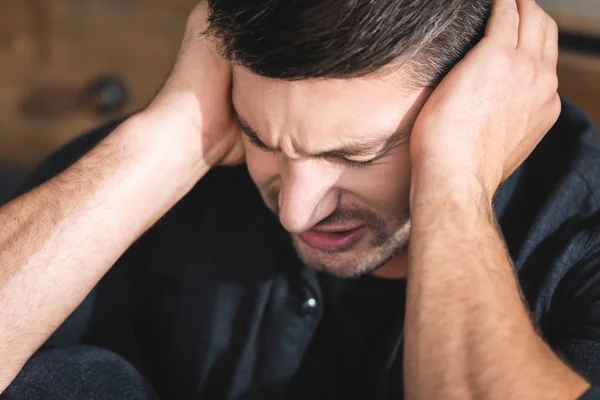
(327, 92)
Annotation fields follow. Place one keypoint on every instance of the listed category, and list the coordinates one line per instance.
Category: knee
(78, 372)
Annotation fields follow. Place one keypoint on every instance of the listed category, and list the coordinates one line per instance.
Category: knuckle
(549, 81)
(552, 28)
(554, 110)
(538, 11)
(554, 83)
(540, 15)
(557, 105)
(551, 23)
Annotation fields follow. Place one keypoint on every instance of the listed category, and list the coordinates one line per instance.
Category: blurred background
(67, 66)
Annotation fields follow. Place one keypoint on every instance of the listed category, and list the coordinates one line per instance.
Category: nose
(307, 195)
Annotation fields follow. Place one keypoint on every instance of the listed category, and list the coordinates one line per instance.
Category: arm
(461, 282)
(468, 333)
(58, 240)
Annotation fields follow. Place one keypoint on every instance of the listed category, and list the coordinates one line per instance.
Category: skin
(287, 123)
(467, 332)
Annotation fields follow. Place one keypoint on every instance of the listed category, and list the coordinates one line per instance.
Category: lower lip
(332, 241)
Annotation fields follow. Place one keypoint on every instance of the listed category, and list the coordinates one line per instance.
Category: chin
(352, 263)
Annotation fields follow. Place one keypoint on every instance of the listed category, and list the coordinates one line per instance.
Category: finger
(551, 45)
(533, 23)
(503, 26)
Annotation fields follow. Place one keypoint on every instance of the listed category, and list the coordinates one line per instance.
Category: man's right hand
(197, 95)
(58, 240)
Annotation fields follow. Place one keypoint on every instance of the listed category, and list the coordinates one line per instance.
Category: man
(396, 281)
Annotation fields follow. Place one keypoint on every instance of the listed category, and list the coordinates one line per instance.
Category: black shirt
(213, 303)
(360, 317)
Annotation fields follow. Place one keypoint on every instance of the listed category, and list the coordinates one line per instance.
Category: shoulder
(574, 143)
(549, 212)
(561, 283)
(592, 394)
(558, 183)
(569, 153)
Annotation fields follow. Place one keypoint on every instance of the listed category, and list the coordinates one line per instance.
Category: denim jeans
(78, 373)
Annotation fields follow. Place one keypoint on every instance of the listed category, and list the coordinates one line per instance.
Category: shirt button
(309, 305)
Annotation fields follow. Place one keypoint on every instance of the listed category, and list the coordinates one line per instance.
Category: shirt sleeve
(573, 326)
(592, 394)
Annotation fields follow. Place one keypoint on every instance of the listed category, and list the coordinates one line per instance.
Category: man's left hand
(492, 109)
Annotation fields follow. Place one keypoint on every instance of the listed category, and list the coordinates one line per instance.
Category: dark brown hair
(301, 39)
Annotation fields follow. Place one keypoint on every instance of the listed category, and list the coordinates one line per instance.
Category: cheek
(385, 186)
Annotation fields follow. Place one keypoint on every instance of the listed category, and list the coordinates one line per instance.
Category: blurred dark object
(580, 17)
(10, 180)
(581, 43)
(67, 66)
(105, 95)
(579, 64)
(579, 79)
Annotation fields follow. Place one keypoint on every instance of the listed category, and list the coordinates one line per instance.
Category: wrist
(161, 155)
(452, 202)
(431, 187)
(205, 128)
(178, 132)
(441, 168)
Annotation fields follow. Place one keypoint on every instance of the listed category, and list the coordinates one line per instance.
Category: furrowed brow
(366, 148)
(373, 147)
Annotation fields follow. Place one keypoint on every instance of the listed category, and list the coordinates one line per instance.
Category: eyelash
(356, 164)
(349, 163)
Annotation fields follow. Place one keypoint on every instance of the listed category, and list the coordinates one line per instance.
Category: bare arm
(468, 333)
(57, 241)
(461, 283)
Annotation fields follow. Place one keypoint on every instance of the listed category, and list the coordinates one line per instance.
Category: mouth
(332, 238)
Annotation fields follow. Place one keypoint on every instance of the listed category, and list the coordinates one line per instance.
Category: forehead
(317, 109)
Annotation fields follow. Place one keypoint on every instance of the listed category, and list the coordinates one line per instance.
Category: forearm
(57, 241)
(468, 334)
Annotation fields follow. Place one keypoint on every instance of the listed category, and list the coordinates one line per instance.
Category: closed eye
(256, 142)
(345, 161)
(253, 138)
(356, 164)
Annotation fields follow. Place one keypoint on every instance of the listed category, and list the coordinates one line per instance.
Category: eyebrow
(376, 147)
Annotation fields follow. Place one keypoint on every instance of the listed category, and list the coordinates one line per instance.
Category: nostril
(279, 202)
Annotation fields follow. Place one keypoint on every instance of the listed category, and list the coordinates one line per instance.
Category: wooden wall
(51, 50)
(575, 15)
(580, 81)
